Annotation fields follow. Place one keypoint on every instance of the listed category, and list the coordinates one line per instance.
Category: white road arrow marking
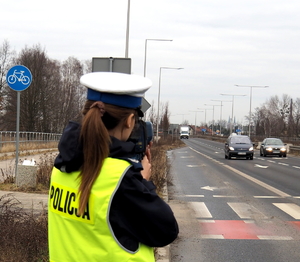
(208, 188)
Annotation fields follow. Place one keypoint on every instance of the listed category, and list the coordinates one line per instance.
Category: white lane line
(260, 183)
(200, 209)
(292, 209)
(267, 197)
(284, 164)
(297, 167)
(271, 161)
(261, 237)
(202, 165)
(194, 195)
(212, 236)
(246, 211)
(254, 180)
(261, 166)
(224, 196)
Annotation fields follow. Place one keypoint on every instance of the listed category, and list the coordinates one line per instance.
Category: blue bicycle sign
(18, 77)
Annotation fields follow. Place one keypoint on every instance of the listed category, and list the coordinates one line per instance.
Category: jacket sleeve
(141, 213)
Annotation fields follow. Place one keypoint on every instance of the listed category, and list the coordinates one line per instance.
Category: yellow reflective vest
(88, 237)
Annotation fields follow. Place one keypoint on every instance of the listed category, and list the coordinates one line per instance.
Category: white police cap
(118, 89)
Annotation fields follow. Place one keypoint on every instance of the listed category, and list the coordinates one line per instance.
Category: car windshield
(240, 140)
(274, 142)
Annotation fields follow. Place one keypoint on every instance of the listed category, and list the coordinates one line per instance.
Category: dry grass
(8, 151)
(160, 166)
(24, 236)
(28, 146)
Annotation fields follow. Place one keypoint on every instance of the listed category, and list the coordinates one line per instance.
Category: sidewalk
(29, 202)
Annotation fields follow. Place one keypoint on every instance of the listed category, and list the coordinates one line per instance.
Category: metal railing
(295, 149)
(7, 137)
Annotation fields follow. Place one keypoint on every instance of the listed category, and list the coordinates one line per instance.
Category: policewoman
(102, 206)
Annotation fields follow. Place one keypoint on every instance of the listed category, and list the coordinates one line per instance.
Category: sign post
(113, 64)
(18, 79)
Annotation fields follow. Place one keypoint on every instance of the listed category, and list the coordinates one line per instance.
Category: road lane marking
(260, 183)
(246, 211)
(290, 208)
(267, 197)
(194, 195)
(297, 167)
(224, 196)
(200, 209)
(274, 238)
(254, 180)
(284, 164)
(209, 188)
(212, 236)
(202, 165)
(261, 166)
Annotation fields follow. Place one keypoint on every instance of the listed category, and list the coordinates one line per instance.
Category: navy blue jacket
(137, 213)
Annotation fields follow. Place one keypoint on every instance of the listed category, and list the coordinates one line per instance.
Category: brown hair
(94, 136)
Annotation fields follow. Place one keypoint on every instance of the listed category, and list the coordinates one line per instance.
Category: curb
(162, 254)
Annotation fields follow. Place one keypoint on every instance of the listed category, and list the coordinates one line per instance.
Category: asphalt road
(234, 210)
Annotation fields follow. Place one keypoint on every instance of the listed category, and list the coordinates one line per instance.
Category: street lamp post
(127, 30)
(205, 114)
(250, 112)
(221, 112)
(196, 119)
(145, 59)
(158, 100)
(213, 124)
(231, 122)
(182, 117)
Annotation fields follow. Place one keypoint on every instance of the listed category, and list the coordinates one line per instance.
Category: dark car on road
(239, 146)
(273, 146)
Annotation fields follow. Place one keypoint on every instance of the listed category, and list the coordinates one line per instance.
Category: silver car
(273, 146)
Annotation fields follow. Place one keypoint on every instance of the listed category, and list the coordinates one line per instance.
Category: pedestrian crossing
(249, 222)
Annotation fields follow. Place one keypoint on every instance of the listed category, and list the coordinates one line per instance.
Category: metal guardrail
(295, 149)
(25, 137)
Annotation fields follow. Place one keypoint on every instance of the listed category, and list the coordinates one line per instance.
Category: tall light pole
(221, 111)
(158, 100)
(231, 122)
(213, 124)
(182, 116)
(250, 112)
(205, 113)
(127, 30)
(196, 119)
(145, 59)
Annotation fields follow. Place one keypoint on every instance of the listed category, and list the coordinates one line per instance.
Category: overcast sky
(219, 44)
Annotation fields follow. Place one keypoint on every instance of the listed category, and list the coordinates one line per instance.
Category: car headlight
(269, 149)
(251, 148)
(231, 148)
(283, 149)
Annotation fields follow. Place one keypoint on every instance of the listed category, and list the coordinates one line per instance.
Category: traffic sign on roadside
(18, 77)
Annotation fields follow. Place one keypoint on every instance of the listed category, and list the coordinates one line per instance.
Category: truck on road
(184, 132)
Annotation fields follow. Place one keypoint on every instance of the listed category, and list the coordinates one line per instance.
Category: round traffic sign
(18, 77)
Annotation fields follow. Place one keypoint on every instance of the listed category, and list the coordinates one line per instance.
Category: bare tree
(296, 113)
(71, 94)
(6, 56)
(165, 119)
